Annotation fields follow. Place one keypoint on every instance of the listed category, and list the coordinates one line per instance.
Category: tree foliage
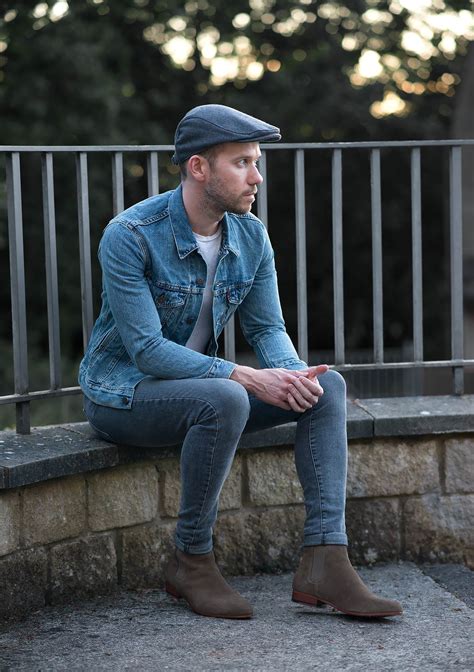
(103, 72)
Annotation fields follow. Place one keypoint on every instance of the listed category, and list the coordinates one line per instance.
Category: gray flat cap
(208, 125)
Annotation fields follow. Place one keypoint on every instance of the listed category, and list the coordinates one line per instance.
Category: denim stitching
(318, 477)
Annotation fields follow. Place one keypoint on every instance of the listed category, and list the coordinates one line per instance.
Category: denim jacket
(153, 283)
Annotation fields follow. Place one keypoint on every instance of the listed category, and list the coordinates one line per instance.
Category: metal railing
(23, 396)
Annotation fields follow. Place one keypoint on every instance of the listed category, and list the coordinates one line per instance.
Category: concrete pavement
(151, 631)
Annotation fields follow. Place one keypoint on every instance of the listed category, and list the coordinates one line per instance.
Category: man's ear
(198, 167)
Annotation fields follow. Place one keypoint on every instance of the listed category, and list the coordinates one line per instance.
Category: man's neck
(203, 221)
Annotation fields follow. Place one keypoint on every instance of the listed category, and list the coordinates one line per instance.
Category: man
(175, 268)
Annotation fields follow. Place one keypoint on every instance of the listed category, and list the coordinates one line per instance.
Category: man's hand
(305, 390)
(285, 388)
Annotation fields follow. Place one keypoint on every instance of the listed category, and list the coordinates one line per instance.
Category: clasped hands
(288, 389)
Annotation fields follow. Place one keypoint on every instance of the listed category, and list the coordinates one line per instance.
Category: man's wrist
(244, 375)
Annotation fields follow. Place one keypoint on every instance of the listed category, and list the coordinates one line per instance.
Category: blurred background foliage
(99, 72)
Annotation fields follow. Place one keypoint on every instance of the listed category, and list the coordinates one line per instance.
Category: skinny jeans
(208, 416)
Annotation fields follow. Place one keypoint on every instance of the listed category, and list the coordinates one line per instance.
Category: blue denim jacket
(153, 284)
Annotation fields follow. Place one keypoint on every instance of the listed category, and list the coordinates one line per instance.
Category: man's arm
(262, 320)
(123, 258)
(286, 380)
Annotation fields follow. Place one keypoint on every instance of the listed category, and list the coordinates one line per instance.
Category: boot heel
(304, 598)
(171, 590)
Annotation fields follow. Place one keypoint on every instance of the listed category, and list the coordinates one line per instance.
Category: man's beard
(218, 201)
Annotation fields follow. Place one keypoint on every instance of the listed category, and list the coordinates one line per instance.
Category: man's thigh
(162, 412)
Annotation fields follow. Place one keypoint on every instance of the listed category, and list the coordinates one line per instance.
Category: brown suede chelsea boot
(197, 579)
(325, 575)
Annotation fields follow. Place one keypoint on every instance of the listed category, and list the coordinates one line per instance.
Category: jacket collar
(183, 234)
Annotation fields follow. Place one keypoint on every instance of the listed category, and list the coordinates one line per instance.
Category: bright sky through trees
(402, 64)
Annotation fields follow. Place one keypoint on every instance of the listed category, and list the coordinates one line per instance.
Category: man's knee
(334, 386)
(229, 398)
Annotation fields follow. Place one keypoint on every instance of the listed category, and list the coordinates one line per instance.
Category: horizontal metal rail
(270, 145)
(71, 391)
(22, 396)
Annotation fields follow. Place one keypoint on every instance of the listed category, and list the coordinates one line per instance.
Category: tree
(102, 72)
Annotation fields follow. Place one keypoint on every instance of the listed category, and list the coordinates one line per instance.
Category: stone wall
(76, 536)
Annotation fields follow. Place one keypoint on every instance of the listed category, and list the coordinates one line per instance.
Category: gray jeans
(208, 416)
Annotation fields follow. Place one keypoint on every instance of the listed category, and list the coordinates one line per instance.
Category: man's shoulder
(146, 212)
(245, 220)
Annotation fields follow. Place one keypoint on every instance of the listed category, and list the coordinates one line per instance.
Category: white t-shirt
(209, 247)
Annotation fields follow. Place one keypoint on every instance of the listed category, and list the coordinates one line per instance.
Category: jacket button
(189, 320)
(125, 400)
(200, 281)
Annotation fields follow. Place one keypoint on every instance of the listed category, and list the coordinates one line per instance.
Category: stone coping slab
(63, 450)
(420, 415)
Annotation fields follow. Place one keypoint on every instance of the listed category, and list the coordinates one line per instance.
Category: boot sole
(314, 601)
(171, 590)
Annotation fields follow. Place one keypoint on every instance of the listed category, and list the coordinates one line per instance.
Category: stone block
(23, 578)
(145, 552)
(439, 528)
(82, 568)
(272, 478)
(231, 492)
(9, 522)
(459, 464)
(263, 541)
(171, 487)
(122, 497)
(373, 528)
(387, 467)
(54, 510)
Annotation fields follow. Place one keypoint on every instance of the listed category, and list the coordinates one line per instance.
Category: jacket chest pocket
(170, 303)
(234, 295)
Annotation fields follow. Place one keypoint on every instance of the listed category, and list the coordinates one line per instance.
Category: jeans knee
(334, 387)
(230, 401)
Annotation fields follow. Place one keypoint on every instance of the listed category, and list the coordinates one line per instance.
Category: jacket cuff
(220, 368)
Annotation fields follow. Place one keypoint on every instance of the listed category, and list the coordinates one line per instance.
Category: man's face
(233, 177)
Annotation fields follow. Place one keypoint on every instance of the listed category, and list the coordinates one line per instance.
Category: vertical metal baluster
(301, 286)
(337, 257)
(229, 343)
(117, 182)
(18, 291)
(417, 257)
(457, 312)
(84, 245)
(152, 174)
(262, 203)
(49, 220)
(376, 206)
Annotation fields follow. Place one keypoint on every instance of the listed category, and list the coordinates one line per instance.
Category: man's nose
(255, 177)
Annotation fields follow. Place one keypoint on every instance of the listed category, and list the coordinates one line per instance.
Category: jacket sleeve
(123, 256)
(261, 317)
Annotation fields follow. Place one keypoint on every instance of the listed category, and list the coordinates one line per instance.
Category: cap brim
(270, 136)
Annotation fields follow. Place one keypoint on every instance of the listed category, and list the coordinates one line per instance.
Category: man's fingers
(294, 404)
(319, 370)
(302, 400)
(305, 391)
(308, 388)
